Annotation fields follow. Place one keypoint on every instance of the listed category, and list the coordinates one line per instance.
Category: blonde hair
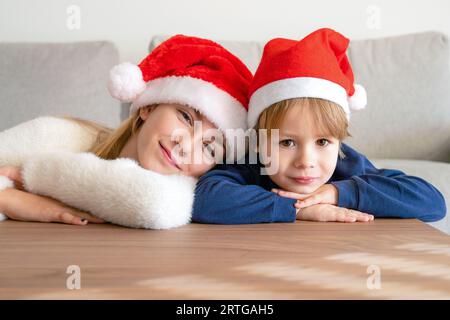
(329, 117)
(110, 142)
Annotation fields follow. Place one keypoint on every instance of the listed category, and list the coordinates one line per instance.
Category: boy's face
(307, 158)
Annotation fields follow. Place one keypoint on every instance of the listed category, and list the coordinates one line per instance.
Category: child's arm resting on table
(385, 193)
(24, 206)
(232, 196)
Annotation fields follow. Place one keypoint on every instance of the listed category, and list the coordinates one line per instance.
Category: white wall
(130, 24)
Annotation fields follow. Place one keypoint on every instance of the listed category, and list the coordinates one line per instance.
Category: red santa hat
(314, 67)
(190, 71)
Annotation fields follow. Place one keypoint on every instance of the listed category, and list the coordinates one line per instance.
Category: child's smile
(304, 180)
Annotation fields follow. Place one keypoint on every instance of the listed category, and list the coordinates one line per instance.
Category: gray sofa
(406, 124)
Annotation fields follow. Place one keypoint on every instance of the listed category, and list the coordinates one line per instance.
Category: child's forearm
(398, 195)
(221, 199)
(385, 192)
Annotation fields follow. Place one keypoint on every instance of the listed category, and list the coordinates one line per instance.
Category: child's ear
(143, 112)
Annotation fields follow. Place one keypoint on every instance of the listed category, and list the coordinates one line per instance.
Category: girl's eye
(186, 117)
(287, 143)
(323, 142)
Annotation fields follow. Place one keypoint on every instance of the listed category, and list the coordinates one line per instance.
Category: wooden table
(303, 260)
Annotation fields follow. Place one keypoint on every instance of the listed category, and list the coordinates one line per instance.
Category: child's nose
(304, 160)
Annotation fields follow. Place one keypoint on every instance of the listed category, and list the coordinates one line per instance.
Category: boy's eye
(287, 143)
(323, 142)
(186, 117)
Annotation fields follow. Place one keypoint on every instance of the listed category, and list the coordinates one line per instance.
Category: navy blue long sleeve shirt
(239, 194)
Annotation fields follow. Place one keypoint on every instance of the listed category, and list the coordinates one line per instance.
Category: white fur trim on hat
(126, 82)
(358, 100)
(301, 87)
(222, 109)
(225, 111)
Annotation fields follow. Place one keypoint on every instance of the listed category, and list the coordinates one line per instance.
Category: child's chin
(306, 189)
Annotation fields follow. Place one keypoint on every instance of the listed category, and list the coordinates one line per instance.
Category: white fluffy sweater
(54, 161)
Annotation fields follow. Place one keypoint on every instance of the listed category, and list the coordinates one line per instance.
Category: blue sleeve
(233, 196)
(383, 192)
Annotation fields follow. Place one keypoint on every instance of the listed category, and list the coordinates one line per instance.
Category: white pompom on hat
(358, 100)
(126, 82)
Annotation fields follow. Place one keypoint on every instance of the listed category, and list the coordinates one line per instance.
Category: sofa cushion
(408, 84)
(407, 79)
(39, 79)
(437, 173)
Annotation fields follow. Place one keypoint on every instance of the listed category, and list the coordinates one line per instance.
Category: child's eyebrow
(197, 114)
(325, 135)
(292, 134)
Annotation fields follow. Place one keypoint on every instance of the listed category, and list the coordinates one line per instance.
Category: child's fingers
(360, 216)
(309, 201)
(87, 216)
(345, 216)
(68, 218)
(288, 194)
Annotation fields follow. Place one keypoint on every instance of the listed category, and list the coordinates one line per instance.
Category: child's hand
(326, 194)
(24, 206)
(13, 173)
(331, 213)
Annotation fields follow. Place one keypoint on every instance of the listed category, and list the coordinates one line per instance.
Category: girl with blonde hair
(143, 173)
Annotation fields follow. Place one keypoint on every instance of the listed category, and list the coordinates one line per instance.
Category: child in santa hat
(143, 173)
(305, 89)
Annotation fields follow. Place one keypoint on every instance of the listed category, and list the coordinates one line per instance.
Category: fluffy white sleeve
(41, 134)
(118, 191)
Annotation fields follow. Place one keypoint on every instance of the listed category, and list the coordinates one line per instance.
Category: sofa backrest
(39, 79)
(407, 79)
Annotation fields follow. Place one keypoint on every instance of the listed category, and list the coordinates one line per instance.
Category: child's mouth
(168, 156)
(304, 180)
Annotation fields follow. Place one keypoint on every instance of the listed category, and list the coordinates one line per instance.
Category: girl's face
(166, 141)
(306, 157)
